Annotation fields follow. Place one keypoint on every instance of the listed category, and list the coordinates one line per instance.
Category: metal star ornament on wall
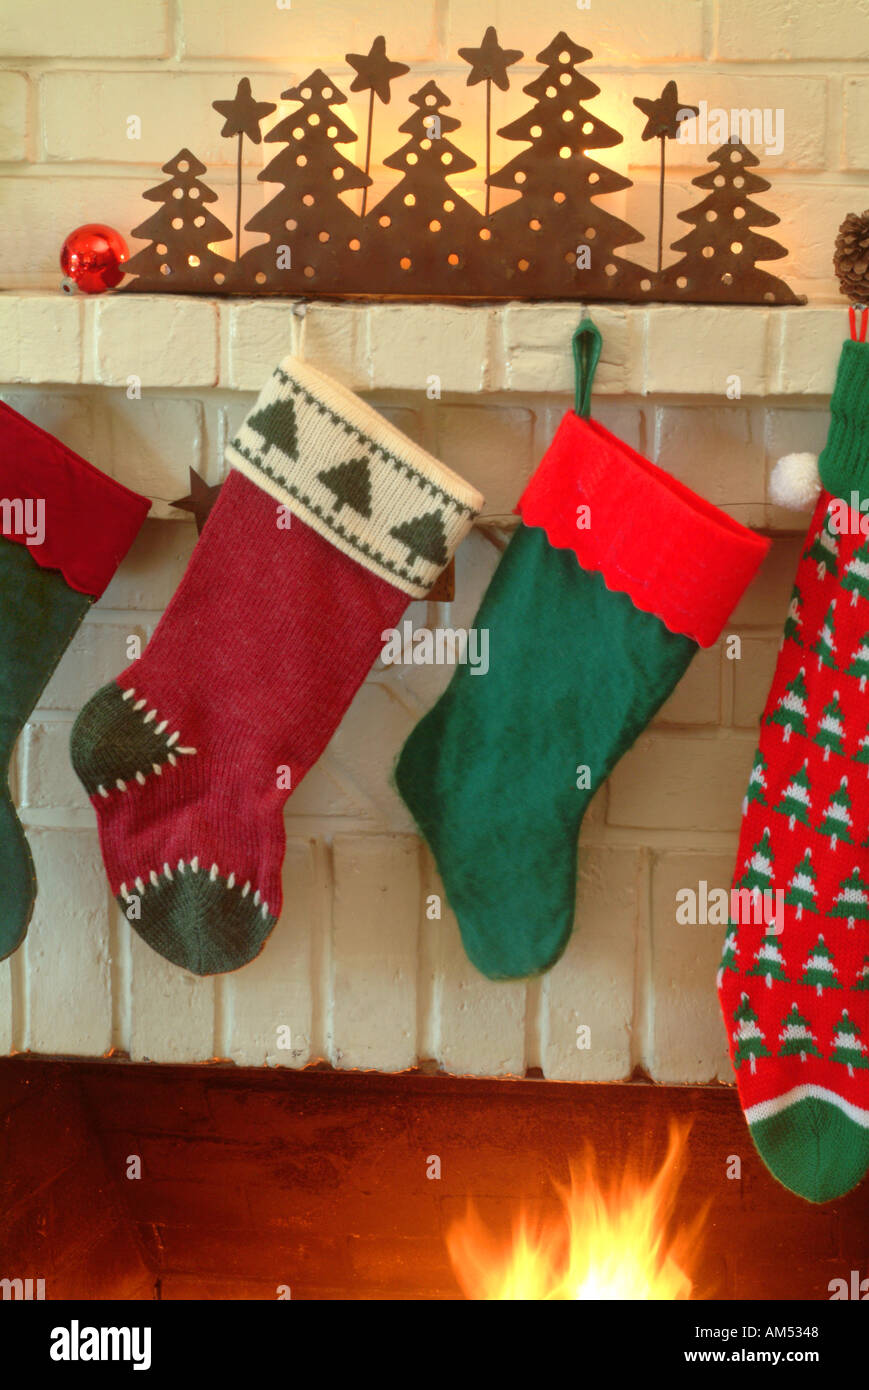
(199, 500)
(375, 73)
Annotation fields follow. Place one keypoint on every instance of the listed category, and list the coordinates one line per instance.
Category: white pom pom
(795, 482)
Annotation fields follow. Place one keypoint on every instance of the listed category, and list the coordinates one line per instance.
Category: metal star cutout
(374, 71)
(200, 499)
(489, 62)
(662, 116)
(243, 114)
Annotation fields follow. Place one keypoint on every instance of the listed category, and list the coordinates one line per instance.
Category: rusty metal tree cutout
(179, 257)
(553, 237)
(720, 254)
(423, 230)
(312, 234)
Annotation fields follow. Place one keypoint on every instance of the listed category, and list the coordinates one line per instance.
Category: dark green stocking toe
(206, 925)
(118, 738)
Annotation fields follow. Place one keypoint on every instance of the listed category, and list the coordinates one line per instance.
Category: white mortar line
(322, 975)
(533, 1031)
(643, 1013)
(121, 974)
(429, 977)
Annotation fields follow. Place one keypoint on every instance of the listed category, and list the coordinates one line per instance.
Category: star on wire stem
(375, 73)
(243, 114)
(664, 117)
(242, 118)
(489, 63)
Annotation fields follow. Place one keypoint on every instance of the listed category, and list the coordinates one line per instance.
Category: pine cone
(851, 258)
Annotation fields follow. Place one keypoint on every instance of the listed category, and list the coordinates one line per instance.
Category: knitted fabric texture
(844, 460)
(190, 755)
(338, 465)
(499, 773)
(64, 528)
(795, 998)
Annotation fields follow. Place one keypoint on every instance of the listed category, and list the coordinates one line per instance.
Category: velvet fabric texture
(491, 772)
(499, 774)
(90, 519)
(39, 615)
(64, 529)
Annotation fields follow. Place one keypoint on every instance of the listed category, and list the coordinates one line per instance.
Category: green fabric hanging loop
(587, 343)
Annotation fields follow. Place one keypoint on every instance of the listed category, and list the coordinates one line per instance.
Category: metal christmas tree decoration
(320, 232)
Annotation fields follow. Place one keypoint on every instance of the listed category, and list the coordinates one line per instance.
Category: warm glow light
(616, 1243)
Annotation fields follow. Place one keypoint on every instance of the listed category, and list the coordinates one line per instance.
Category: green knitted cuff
(844, 462)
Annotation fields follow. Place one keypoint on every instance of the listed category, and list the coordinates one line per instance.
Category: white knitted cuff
(338, 465)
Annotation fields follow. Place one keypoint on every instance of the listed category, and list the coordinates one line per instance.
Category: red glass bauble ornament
(92, 259)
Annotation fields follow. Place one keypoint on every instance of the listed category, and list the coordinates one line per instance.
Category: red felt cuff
(90, 521)
(648, 535)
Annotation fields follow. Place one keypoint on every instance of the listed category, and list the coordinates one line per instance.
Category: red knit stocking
(191, 754)
(796, 998)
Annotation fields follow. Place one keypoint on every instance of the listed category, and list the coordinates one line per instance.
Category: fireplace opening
(219, 1183)
(616, 1238)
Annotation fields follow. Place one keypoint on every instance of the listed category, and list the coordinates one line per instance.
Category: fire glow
(608, 1242)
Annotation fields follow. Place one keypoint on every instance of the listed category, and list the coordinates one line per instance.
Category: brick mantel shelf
(171, 341)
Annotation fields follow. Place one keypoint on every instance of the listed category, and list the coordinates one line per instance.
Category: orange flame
(607, 1244)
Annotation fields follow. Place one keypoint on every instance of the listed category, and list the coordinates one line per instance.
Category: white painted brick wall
(164, 340)
(687, 1040)
(14, 123)
(376, 906)
(783, 31)
(40, 338)
(321, 30)
(69, 81)
(855, 150)
(67, 954)
(354, 970)
(42, 28)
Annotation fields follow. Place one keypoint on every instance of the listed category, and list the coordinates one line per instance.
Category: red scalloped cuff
(90, 520)
(648, 535)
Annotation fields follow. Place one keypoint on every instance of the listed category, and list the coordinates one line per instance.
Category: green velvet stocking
(490, 773)
(39, 614)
